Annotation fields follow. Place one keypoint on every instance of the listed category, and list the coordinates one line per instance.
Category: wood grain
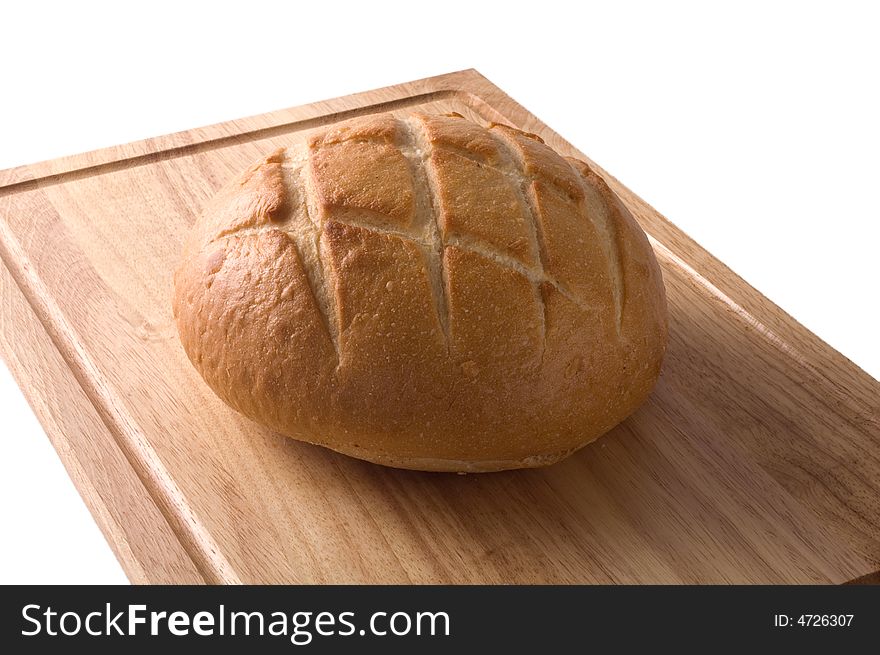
(757, 459)
(135, 529)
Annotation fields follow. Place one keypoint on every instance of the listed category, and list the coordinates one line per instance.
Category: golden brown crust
(477, 201)
(358, 176)
(424, 293)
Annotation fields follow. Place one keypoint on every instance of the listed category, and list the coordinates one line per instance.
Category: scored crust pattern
(529, 170)
(424, 291)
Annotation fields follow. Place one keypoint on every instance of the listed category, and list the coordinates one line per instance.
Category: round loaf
(424, 292)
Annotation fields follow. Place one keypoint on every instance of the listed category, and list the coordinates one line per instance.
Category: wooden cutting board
(757, 458)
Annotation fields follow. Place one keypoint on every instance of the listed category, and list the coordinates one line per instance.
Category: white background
(755, 129)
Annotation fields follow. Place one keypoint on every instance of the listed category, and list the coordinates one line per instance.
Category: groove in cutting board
(220, 142)
(755, 460)
(139, 535)
(198, 542)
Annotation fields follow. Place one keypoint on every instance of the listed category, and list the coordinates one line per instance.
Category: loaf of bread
(424, 292)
